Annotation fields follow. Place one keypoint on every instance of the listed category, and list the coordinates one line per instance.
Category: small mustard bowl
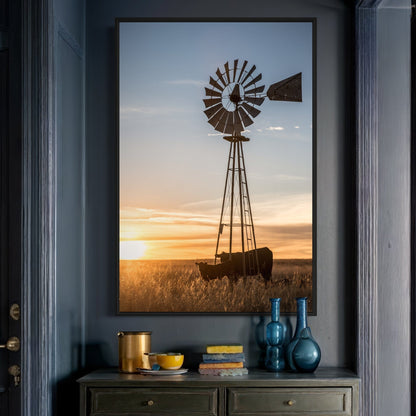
(170, 360)
(152, 356)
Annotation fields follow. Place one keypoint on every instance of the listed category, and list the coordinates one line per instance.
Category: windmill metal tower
(236, 188)
(231, 104)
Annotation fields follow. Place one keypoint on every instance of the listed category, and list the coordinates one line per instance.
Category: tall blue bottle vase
(261, 337)
(303, 353)
(275, 360)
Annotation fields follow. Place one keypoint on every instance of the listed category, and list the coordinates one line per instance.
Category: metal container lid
(122, 333)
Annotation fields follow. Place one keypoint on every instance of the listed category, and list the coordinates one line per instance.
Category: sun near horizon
(200, 249)
(132, 250)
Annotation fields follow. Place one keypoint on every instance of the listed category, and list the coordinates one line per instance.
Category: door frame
(38, 208)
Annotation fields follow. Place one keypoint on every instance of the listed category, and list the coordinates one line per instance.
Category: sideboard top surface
(255, 378)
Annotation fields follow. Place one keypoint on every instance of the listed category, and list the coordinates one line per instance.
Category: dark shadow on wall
(350, 213)
(67, 389)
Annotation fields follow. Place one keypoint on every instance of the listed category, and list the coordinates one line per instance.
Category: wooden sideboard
(327, 392)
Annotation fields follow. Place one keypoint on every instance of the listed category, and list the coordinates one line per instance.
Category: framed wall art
(216, 132)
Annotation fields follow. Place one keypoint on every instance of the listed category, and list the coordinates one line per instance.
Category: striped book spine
(223, 371)
(223, 358)
(221, 365)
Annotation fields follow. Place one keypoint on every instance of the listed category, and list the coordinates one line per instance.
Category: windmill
(231, 103)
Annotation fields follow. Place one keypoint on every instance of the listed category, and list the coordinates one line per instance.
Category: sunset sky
(173, 163)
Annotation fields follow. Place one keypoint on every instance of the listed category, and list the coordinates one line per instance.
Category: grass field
(176, 286)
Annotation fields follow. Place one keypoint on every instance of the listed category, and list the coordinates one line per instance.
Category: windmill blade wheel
(233, 97)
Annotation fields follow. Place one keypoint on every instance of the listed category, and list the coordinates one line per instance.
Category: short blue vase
(275, 360)
(306, 354)
(303, 353)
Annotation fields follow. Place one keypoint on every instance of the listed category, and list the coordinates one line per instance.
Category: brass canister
(132, 346)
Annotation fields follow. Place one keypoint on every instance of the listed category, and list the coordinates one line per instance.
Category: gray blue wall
(333, 325)
(87, 192)
(70, 247)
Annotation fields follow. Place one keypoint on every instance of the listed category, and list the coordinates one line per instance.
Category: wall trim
(38, 208)
(367, 199)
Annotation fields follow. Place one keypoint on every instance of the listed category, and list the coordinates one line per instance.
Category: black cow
(214, 271)
(265, 258)
(234, 267)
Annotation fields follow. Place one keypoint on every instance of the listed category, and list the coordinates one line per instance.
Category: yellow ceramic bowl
(170, 360)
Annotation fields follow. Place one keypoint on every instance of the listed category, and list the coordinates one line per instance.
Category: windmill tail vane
(232, 102)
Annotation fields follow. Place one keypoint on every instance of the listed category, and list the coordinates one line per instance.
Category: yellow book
(221, 365)
(224, 349)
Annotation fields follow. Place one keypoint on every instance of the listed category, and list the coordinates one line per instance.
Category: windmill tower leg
(232, 200)
(236, 185)
(221, 225)
(248, 216)
(241, 197)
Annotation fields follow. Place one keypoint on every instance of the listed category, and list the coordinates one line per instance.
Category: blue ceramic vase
(308, 354)
(275, 360)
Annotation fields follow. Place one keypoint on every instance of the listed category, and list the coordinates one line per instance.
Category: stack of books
(223, 360)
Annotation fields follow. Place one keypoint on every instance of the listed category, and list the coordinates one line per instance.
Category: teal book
(223, 358)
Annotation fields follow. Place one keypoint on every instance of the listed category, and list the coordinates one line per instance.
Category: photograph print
(216, 166)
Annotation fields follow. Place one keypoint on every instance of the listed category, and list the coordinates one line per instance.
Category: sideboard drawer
(140, 401)
(289, 401)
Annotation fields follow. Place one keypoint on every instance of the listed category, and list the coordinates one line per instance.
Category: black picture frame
(312, 303)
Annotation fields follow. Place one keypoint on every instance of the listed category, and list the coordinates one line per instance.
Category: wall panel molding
(367, 201)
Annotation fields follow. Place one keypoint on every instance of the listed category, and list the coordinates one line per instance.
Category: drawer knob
(150, 403)
(290, 402)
